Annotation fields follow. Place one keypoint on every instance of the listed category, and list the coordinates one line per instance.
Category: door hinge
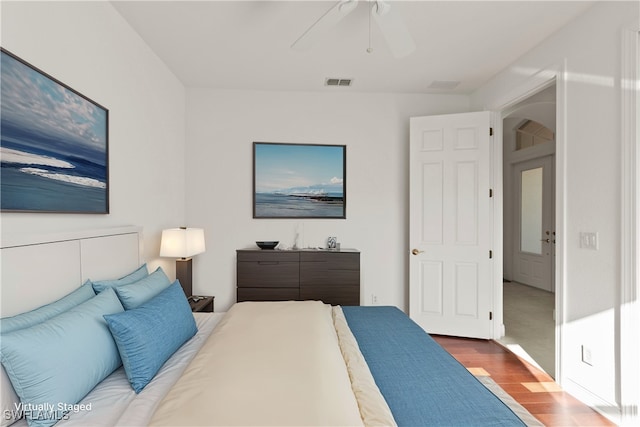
(491, 192)
(490, 254)
(491, 315)
(490, 131)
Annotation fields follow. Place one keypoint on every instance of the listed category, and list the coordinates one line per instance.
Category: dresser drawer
(319, 276)
(268, 294)
(267, 255)
(329, 269)
(268, 274)
(337, 260)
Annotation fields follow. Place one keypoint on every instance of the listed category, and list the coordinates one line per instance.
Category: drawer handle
(268, 262)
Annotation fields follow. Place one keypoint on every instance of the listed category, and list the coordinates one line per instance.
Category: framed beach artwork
(299, 180)
(54, 144)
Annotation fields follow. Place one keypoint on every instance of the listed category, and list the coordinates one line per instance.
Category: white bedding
(113, 401)
(267, 363)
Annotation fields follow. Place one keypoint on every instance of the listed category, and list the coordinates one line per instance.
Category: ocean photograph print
(54, 144)
(299, 180)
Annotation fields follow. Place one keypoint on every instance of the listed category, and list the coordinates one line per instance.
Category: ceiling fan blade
(324, 24)
(393, 29)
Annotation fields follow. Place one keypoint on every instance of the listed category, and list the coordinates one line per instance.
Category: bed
(133, 354)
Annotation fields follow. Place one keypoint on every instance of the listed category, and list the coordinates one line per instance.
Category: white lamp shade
(182, 242)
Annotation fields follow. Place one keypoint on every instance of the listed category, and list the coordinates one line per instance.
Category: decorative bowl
(267, 245)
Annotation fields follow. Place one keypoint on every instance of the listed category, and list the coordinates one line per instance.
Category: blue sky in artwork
(285, 166)
(49, 111)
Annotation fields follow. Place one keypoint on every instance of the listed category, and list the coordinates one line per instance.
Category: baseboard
(609, 410)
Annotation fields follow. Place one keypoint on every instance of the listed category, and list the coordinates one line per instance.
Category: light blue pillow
(60, 360)
(148, 335)
(137, 293)
(46, 312)
(140, 273)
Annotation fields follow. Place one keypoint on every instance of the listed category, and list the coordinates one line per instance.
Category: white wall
(591, 46)
(91, 48)
(221, 129)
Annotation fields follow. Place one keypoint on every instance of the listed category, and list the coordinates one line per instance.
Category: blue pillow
(59, 361)
(138, 274)
(148, 335)
(137, 293)
(46, 312)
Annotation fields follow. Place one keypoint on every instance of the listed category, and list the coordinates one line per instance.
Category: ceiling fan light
(393, 29)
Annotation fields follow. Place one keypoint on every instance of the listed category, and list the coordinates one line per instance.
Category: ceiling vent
(337, 82)
(444, 84)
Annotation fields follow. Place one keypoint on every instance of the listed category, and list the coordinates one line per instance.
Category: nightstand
(204, 304)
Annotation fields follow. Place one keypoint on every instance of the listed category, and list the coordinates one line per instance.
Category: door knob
(416, 252)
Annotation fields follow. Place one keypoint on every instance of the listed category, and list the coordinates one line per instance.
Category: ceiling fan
(385, 15)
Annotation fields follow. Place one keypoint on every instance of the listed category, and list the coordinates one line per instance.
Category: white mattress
(113, 401)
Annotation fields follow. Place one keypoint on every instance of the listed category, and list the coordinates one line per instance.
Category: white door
(534, 232)
(450, 224)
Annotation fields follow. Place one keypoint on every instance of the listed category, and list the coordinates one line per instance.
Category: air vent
(337, 82)
(444, 84)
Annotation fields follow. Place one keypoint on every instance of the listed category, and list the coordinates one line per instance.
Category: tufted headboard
(40, 268)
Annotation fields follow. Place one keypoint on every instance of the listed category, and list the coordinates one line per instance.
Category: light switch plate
(589, 240)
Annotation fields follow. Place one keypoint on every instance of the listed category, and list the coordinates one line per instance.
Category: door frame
(629, 350)
(555, 74)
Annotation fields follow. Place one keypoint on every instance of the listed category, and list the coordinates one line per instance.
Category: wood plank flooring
(528, 385)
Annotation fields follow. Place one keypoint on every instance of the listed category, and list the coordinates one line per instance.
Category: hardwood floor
(529, 386)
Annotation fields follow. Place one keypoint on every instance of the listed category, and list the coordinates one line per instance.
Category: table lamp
(182, 243)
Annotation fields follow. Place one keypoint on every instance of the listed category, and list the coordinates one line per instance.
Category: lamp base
(183, 275)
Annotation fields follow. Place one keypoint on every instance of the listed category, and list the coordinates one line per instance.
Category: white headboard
(40, 268)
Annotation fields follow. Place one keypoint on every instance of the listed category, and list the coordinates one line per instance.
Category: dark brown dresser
(330, 276)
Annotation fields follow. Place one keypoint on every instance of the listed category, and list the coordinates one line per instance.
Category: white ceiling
(246, 44)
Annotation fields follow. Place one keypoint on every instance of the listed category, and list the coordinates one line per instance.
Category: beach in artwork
(299, 181)
(53, 146)
(273, 205)
(41, 183)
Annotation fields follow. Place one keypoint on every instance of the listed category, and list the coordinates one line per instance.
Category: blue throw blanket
(421, 382)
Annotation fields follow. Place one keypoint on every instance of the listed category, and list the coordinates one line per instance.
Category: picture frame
(299, 180)
(54, 144)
